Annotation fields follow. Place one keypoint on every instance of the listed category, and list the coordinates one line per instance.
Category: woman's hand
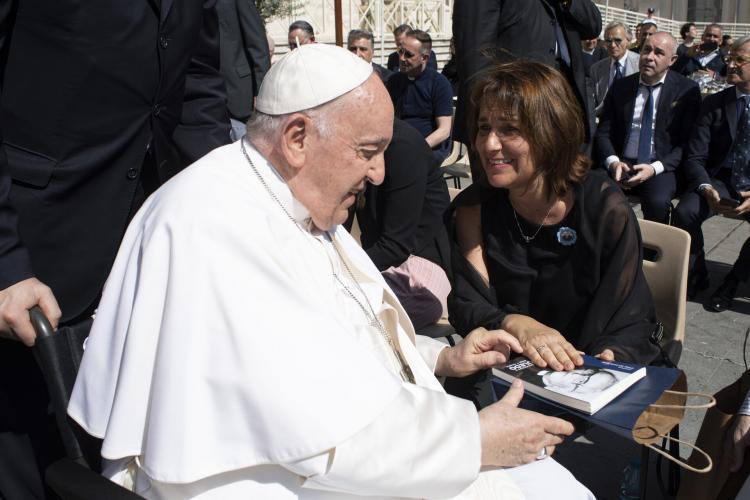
(606, 355)
(480, 349)
(543, 345)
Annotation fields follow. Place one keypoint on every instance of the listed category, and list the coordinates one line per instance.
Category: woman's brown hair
(539, 99)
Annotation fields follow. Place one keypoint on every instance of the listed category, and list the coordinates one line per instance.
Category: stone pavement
(712, 358)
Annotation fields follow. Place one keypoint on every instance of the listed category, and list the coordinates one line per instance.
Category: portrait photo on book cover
(588, 380)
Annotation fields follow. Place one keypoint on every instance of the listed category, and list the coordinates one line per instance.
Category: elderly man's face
(411, 61)
(361, 47)
(304, 39)
(738, 66)
(657, 55)
(617, 42)
(340, 166)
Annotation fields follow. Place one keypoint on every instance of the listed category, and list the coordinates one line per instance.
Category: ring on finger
(540, 348)
(542, 454)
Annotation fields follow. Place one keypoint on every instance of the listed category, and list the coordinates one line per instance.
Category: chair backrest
(454, 155)
(667, 275)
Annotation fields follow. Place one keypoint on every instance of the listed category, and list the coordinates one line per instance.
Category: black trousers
(656, 196)
(690, 214)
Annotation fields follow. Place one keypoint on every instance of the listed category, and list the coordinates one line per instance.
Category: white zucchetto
(309, 76)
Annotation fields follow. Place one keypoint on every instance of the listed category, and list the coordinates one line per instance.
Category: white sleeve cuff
(426, 444)
(610, 160)
(429, 350)
(658, 167)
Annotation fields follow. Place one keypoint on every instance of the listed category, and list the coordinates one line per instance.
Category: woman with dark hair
(544, 248)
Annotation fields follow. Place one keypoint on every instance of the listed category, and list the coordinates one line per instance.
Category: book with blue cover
(588, 388)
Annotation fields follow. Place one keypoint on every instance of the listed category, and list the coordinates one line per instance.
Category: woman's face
(504, 152)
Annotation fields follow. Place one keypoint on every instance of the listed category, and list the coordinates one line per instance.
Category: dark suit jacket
(244, 54)
(85, 92)
(525, 28)
(687, 65)
(589, 59)
(404, 215)
(675, 113)
(712, 137)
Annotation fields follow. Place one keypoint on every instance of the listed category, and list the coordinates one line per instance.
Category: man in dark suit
(244, 58)
(705, 58)
(645, 125)
(99, 106)
(549, 31)
(715, 169)
(591, 53)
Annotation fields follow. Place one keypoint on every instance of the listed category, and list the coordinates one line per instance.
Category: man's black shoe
(722, 298)
(697, 282)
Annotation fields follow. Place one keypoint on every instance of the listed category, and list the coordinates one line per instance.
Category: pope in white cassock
(246, 347)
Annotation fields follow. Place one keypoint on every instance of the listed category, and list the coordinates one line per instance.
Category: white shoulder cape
(212, 349)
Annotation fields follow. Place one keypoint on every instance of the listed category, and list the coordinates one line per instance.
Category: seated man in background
(717, 169)
(300, 33)
(645, 125)
(421, 96)
(401, 221)
(705, 58)
(246, 347)
(620, 63)
(592, 52)
(644, 30)
(399, 33)
(361, 43)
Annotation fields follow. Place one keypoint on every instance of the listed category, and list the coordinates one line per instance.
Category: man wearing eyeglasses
(620, 63)
(717, 172)
(421, 96)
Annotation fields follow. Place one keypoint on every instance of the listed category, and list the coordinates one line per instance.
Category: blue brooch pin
(566, 236)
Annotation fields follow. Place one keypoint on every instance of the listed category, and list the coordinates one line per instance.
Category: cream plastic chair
(452, 168)
(667, 278)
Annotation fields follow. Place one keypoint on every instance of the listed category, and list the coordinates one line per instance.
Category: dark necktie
(647, 121)
(562, 46)
(618, 71)
(739, 157)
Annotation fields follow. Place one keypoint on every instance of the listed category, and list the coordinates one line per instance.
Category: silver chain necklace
(372, 318)
(528, 239)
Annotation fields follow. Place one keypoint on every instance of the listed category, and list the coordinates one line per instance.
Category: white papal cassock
(227, 361)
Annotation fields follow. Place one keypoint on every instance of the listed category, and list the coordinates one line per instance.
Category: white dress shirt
(622, 67)
(631, 146)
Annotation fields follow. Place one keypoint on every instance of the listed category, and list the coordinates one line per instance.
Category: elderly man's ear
(295, 140)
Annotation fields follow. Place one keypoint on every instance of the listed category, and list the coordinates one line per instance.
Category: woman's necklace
(372, 318)
(526, 238)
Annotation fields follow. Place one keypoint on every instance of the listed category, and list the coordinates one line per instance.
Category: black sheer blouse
(582, 276)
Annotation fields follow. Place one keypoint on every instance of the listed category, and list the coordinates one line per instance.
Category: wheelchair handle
(39, 321)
